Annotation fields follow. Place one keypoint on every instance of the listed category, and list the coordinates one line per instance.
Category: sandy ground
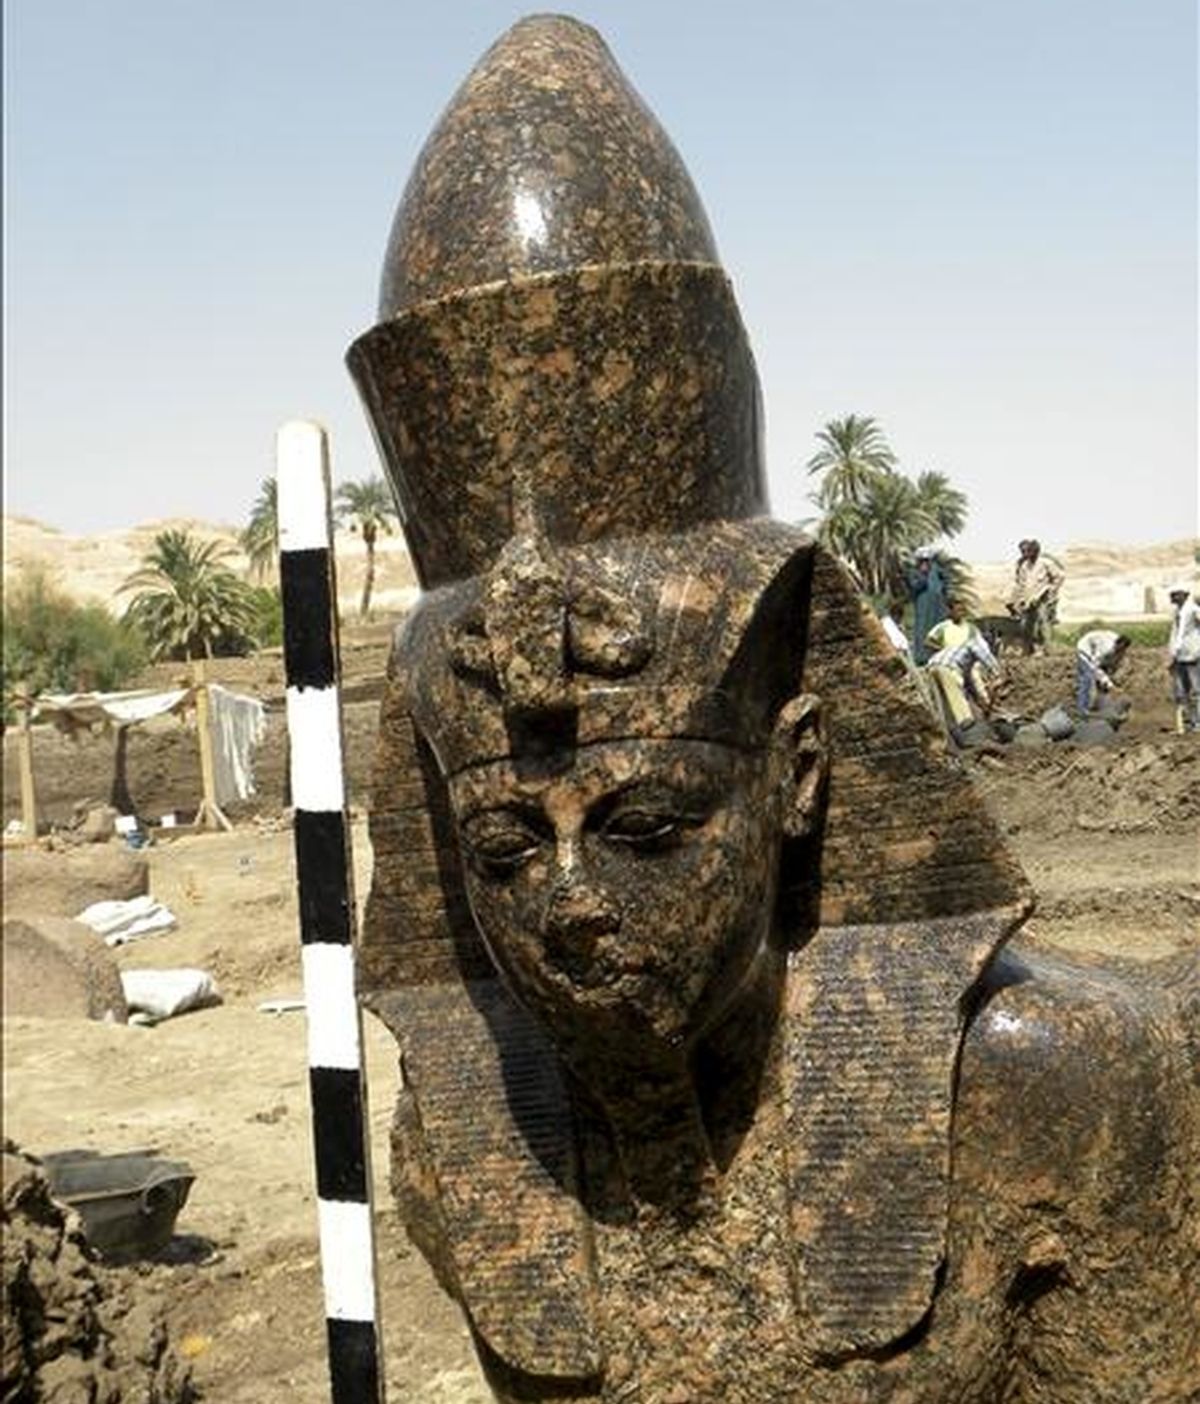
(1107, 835)
(227, 1090)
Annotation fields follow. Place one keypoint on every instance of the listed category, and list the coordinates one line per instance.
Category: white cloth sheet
(236, 725)
(121, 922)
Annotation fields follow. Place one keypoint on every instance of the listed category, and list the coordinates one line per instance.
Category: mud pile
(1048, 680)
(72, 1330)
(1140, 787)
(1150, 786)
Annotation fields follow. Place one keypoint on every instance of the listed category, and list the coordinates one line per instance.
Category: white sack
(159, 994)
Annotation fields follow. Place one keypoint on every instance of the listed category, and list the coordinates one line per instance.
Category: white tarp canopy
(235, 725)
(68, 710)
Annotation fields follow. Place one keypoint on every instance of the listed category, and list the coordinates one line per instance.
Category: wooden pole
(25, 755)
(209, 815)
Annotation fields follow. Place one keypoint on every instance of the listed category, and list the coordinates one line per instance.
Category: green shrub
(52, 643)
(267, 603)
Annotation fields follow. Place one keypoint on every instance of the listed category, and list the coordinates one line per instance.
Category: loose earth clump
(72, 1330)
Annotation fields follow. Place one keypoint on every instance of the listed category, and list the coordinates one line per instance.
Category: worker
(960, 662)
(1033, 599)
(1098, 655)
(1183, 657)
(927, 590)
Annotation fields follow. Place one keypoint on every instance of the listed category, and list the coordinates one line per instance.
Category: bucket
(128, 1202)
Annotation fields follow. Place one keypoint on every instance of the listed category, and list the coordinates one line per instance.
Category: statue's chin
(628, 1046)
(617, 1032)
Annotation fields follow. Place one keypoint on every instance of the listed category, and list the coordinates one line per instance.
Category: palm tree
(854, 452)
(188, 603)
(945, 505)
(841, 529)
(873, 536)
(895, 521)
(872, 515)
(369, 508)
(260, 539)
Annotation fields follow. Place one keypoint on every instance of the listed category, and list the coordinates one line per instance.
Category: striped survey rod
(325, 879)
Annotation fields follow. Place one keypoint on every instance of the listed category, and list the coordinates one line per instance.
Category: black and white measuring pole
(325, 879)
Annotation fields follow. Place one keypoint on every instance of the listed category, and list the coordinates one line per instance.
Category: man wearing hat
(927, 590)
(1183, 657)
(1036, 583)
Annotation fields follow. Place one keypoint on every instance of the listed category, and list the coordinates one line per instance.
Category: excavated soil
(1107, 835)
(72, 1329)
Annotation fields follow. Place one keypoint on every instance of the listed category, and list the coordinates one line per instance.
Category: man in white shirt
(1098, 655)
(1183, 657)
(893, 627)
(1034, 595)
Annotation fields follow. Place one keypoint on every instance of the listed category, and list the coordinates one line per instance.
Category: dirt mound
(1107, 836)
(57, 968)
(1048, 680)
(71, 1329)
(63, 882)
(1142, 787)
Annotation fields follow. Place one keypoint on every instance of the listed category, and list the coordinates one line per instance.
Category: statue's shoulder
(1075, 1174)
(1073, 1064)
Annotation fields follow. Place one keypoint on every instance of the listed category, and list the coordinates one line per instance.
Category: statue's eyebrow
(655, 789)
(521, 807)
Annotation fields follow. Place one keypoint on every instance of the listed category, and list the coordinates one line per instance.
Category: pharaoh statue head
(648, 791)
(600, 779)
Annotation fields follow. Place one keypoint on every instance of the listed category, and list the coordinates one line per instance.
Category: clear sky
(973, 219)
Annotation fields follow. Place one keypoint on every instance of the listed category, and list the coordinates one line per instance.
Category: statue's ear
(798, 744)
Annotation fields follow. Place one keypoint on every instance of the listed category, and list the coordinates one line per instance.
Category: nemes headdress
(565, 402)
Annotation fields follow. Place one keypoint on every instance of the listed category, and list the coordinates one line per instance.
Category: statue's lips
(602, 971)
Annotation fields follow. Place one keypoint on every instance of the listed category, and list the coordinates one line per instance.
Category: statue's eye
(499, 844)
(650, 830)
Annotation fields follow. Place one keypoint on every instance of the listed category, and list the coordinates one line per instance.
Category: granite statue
(728, 1074)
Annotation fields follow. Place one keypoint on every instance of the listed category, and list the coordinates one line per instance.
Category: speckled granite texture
(583, 406)
(729, 1078)
(545, 161)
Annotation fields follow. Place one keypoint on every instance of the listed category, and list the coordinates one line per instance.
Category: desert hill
(1103, 580)
(93, 568)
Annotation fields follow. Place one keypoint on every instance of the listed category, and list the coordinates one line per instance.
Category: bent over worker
(1098, 655)
(959, 663)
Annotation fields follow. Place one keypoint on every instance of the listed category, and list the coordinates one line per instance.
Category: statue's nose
(577, 913)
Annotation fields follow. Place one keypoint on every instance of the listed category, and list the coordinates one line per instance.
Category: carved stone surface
(721, 1081)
